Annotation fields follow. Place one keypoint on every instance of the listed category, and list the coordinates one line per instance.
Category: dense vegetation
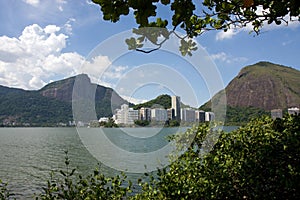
(32, 109)
(258, 161)
(236, 116)
(163, 101)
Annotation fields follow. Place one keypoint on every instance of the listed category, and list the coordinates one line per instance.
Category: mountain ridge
(52, 104)
(262, 85)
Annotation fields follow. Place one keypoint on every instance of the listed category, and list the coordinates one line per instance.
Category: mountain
(55, 102)
(264, 86)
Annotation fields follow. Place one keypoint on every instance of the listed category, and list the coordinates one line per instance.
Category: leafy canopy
(194, 18)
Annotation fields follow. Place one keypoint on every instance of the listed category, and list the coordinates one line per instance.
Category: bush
(258, 161)
(4, 192)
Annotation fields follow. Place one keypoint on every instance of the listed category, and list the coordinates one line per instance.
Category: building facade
(209, 116)
(200, 116)
(175, 100)
(145, 114)
(188, 115)
(159, 114)
(126, 115)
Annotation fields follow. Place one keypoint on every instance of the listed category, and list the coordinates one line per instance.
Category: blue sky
(47, 40)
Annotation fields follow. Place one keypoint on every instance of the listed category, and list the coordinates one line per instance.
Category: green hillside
(160, 101)
(52, 104)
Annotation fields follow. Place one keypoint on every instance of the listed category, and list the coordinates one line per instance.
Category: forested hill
(52, 104)
(163, 101)
(264, 85)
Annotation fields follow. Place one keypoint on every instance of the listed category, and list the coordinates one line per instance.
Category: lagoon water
(27, 155)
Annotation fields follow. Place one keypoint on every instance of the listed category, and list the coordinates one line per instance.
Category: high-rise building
(176, 107)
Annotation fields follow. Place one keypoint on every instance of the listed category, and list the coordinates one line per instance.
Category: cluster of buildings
(128, 116)
(277, 113)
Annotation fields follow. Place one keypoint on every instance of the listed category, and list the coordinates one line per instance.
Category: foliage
(110, 124)
(238, 116)
(31, 107)
(243, 115)
(196, 18)
(142, 122)
(4, 192)
(172, 123)
(96, 186)
(162, 101)
(258, 161)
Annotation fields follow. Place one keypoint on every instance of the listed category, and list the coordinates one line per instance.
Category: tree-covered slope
(53, 103)
(163, 101)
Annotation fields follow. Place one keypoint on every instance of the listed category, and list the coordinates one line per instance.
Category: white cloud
(60, 4)
(134, 100)
(35, 57)
(225, 58)
(32, 2)
(101, 71)
(89, 2)
(68, 26)
(51, 29)
(227, 35)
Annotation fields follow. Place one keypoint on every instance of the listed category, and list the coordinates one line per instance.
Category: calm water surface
(27, 155)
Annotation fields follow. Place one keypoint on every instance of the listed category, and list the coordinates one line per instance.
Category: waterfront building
(159, 114)
(171, 113)
(294, 111)
(145, 114)
(200, 116)
(276, 113)
(209, 116)
(188, 115)
(175, 100)
(126, 115)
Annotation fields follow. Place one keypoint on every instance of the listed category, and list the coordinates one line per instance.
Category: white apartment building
(209, 116)
(126, 115)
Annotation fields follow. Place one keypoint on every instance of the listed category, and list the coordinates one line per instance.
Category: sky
(42, 41)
